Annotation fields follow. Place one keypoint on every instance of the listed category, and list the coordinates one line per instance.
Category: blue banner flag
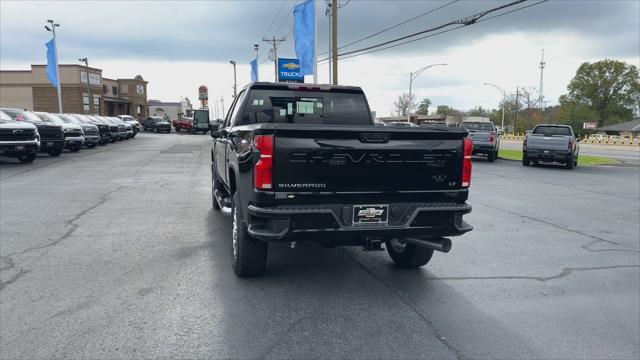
(51, 63)
(254, 69)
(303, 34)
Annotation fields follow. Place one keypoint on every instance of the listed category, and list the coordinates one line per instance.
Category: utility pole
(504, 100)
(274, 45)
(222, 104)
(54, 25)
(334, 40)
(315, 41)
(515, 119)
(86, 67)
(541, 95)
(327, 13)
(235, 83)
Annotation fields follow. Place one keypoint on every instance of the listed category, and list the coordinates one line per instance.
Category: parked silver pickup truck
(551, 143)
(485, 138)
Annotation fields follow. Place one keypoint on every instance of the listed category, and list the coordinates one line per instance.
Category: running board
(224, 202)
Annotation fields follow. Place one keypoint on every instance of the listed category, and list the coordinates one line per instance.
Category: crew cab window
(233, 112)
(552, 130)
(305, 107)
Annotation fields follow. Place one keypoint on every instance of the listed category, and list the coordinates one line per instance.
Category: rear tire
(406, 255)
(27, 158)
(570, 163)
(249, 255)
(491, 157)
(75, 149)
(526, 162)
(177, 129)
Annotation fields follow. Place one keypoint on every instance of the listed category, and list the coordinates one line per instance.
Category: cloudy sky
(179, 45)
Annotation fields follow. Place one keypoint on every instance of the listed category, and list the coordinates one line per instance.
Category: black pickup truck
(302, 162)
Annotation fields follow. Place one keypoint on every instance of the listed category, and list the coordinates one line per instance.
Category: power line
(276, 17)
(396, 25)
(469, 20)
(285, 19)
(463, 23)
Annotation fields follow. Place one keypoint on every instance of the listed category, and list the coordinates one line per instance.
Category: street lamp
(504, 100)
(413, 75)
(53, 25)
(86, 66)
(234, 78)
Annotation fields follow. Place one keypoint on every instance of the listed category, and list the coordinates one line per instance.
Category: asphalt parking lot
(116, 253)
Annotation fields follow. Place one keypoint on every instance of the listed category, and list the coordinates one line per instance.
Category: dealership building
(31, 90)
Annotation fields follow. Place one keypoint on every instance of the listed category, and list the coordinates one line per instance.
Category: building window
(105, 89)
(114, 90)
(85, 102)
(96, 105)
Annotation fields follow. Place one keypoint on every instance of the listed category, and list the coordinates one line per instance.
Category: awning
(116, 100)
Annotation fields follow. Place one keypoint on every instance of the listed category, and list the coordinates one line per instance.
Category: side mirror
(215, 134)
(214, 127)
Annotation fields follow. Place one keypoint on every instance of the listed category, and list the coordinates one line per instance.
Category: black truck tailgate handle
(379, 138)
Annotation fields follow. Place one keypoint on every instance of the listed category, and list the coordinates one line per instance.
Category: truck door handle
(378, 138)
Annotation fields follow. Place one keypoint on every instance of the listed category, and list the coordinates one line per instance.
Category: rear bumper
(547, 155)
(483, 148)
(333, 223)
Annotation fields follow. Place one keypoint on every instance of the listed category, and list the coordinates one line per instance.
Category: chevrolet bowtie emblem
(370, 212)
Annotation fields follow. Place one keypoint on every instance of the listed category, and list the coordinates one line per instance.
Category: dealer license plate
(370, 214)
(51, 144)
(19, 147)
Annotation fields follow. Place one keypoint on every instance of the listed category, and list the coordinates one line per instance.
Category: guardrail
(583, 140)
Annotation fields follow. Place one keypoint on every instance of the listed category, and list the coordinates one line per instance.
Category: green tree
(446, 110)
(574, 113)
(610, 88)
(423, 108)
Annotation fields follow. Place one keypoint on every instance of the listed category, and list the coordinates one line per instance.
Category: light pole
(413, 75)
(504, 100)
(86, 67)
(234, 78)
(54, 25)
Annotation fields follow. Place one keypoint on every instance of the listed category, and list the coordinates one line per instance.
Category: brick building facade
(31, 90)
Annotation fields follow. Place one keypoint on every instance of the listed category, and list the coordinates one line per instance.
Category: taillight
(466, 163)
(524, 143)
(492, 136)
(263, 168)
(570, 146)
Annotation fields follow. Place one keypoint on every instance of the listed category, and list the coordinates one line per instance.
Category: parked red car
(185, 123)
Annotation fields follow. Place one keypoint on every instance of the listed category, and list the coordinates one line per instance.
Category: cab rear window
(305, 107)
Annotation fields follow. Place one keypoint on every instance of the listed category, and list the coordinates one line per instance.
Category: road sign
(289, 71)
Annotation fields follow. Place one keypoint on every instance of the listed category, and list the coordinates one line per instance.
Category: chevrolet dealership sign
(289, 71)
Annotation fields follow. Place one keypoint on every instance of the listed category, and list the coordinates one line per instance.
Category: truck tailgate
(349, 159)
(542, 142)
(479, 137)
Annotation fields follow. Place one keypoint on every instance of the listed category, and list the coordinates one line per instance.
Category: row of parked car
(24, 133)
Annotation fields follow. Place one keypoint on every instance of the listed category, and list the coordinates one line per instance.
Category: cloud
(216, 31)
(179, 45)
